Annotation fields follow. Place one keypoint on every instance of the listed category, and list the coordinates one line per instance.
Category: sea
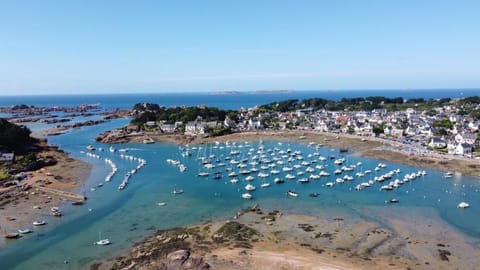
(147, 203)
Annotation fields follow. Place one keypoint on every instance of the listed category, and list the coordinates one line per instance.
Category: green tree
(15, 137)
(443, 123)
(378, 130)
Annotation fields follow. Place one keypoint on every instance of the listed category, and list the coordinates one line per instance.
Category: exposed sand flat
(269, 240)
(17, 207)
(270, 257)
(434, 243)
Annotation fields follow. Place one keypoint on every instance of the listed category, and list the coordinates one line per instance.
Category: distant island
(225, 92)
(274, 91)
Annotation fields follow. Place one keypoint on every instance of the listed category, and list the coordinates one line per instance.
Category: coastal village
(444, 130)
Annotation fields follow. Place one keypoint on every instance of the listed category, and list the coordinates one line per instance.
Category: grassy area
(4, 175)
(440, 150)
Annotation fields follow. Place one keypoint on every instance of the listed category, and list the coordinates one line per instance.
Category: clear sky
(101, 46)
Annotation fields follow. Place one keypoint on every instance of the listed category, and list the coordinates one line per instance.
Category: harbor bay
(170, 185)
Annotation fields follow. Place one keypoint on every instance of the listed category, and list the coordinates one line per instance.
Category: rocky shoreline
(261, 239)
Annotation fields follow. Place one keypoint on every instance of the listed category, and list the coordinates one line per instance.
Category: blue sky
(171, 46)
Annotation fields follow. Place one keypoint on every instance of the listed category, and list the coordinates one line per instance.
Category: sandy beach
(17, 207)
(370, 147)
(264, 239)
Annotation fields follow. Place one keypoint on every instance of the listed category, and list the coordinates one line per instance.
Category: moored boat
(24, 231)
(102, 242)
(393, 200)
(247, 196)
(463, 205)
(292, 193)
(39, 222)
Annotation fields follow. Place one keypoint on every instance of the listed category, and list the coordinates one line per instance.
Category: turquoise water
(129, 215)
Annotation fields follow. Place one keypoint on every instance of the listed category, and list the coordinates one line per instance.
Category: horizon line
(232, 92)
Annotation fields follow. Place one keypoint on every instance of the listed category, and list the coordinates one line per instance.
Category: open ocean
(130, 215)
(225, 101)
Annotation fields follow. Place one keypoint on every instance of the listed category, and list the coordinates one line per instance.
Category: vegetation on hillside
(13, 137)
(152, 112)
(17, 139)
(369, 103)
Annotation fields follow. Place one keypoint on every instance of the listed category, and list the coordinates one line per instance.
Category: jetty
(61, 193)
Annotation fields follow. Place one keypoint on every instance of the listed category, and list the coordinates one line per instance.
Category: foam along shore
(50, 187)
(268, 239)
(371, 147)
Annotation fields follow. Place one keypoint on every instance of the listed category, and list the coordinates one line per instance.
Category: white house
(474, 126)
(468, 138)
(464, 149)
(6, 156)
(168, 128)
(254, 124)
(411, 131)
(150, 124)
(322, 126)
(437, 143)
(194, 128)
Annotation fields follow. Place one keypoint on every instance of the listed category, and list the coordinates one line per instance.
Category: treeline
(152, 112)
(13, 137)
(365, 104)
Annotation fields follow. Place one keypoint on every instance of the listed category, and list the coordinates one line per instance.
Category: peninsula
(438, 133)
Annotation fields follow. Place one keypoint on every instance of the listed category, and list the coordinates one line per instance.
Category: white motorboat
(289, 176)
(247, 196)
(324, 173)
(463, 205)
(265, 185)
(250, 187)
(263, 175)
(448, 175)
(39, 222)
(303, 180)
(292, 193)
(24, 231)
(249, 178)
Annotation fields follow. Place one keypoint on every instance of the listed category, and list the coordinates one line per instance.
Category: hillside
(16, 138)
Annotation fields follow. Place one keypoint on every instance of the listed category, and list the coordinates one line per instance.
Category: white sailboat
(102, 242)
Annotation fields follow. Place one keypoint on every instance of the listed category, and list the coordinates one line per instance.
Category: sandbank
(17, 207)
